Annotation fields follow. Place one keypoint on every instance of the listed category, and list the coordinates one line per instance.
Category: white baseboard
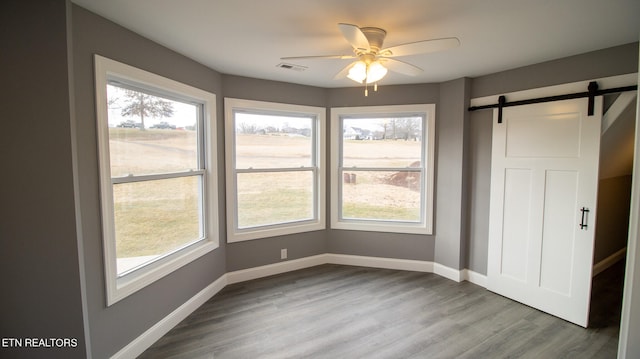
(276, 268)
(447, 272)
(144, 341)
(379, 262)
(608, 262)
(474, 277)
(330, 258)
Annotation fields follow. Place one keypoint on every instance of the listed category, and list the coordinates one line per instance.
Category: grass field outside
(155, 217)
(269, 198)
(137, 152)
(164, 213)
(372, 197)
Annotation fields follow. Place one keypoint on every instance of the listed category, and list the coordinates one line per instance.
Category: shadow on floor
(606, 297)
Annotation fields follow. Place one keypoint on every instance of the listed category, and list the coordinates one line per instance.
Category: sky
(262, 121)
(184, 114)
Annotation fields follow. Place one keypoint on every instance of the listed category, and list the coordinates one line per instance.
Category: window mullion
(154, 177)
(267, 170)
(382, 169)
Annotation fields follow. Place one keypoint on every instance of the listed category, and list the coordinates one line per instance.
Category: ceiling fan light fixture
(366, 43)
(360, 72)
(375, 72)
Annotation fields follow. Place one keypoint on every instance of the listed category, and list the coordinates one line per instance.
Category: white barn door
(544, 177)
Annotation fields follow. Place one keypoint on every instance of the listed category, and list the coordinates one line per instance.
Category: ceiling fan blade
(343, 73)
(402, 67)
(421, 47)
(320, 57)
(354, 36)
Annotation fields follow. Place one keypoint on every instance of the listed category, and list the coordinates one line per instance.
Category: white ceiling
(248, 37)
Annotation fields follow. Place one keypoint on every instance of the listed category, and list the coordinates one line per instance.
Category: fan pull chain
(366, 82)
(366, 89)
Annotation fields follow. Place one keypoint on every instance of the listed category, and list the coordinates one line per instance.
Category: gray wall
(478, 186)
(451, 171)
(111, 328)
(273, 91)
(41, 285)
(619, 60)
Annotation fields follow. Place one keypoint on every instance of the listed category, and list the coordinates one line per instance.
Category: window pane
(268, 141)
(382, 142)
(153, 218)
(149, 134)
(268, 198)
(381, 195)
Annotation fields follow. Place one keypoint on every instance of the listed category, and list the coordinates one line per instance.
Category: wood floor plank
(334, 311)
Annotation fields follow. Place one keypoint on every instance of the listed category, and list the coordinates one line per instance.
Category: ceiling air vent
(287, 66)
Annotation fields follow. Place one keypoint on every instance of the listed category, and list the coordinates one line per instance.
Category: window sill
(265, 232)
(377, 226)
(124, 286)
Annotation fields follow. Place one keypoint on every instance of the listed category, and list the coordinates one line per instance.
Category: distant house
(357, 133)
(351, 133)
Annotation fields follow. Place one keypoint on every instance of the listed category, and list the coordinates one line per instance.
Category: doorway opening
(614, 199)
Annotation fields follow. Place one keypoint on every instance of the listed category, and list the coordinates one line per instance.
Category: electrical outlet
(283, 253)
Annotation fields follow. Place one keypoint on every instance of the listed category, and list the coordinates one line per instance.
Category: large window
(158, 187)
(382, 177)
(275, 169)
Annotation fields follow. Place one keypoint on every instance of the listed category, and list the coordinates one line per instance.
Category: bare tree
(248, 129)
(144, 105)
(410, 127)
(385, 126)
(112, 102)
(391, 125)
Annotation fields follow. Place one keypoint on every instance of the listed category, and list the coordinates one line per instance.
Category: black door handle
(584, 210)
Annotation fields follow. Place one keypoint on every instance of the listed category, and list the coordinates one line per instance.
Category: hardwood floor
(333, 311)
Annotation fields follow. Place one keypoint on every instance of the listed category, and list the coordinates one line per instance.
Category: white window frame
(119, 287)
(425, 224)
(236, 234)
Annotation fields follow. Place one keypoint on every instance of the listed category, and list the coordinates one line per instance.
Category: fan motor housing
(376, 36)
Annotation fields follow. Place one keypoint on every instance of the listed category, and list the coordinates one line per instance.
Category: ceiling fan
(372, 61)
